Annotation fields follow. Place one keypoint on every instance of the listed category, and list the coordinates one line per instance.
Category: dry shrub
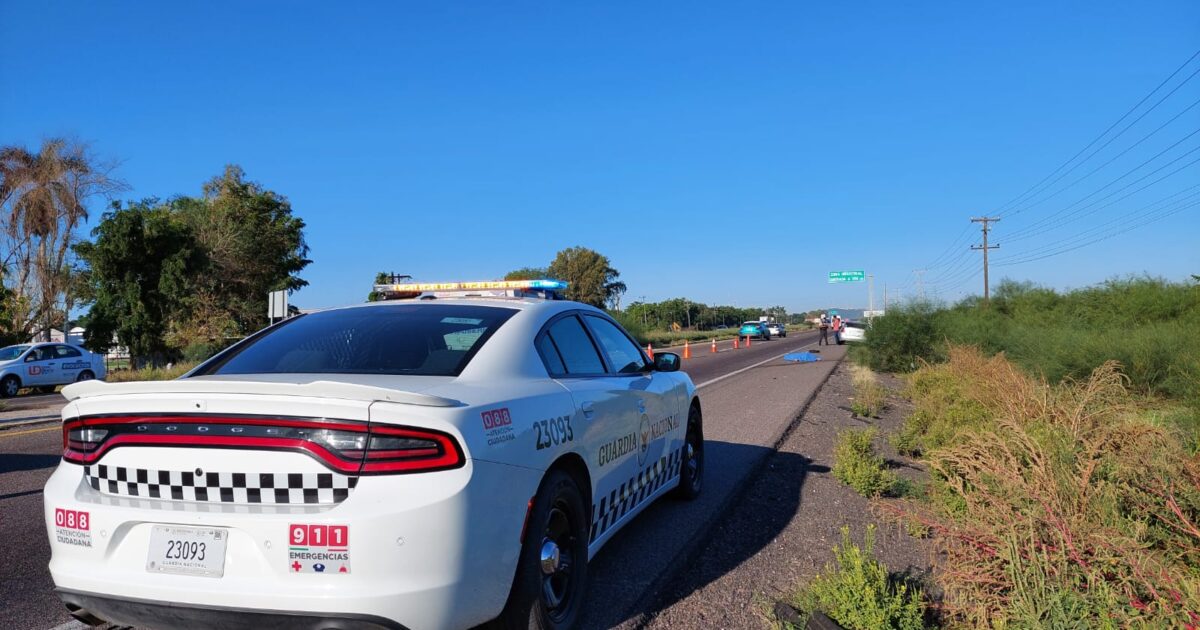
(869, 395)
(1062, 507)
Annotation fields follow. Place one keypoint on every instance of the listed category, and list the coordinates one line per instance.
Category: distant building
(74, 336)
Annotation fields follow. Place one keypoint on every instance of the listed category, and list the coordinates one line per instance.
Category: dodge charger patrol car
(425, 463)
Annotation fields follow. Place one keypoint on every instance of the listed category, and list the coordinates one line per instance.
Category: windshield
(424, 339)
(11, 352)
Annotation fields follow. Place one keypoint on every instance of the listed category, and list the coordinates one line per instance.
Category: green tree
(254, 245)
(527, 273)
(593, 279)
(139, 270)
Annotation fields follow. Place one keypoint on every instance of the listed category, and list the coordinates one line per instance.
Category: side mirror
(666, 362)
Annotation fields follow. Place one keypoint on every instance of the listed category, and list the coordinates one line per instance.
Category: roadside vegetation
(1149, 326)
(151, 373)
(859, 593)
(869, 395)
(1060, 433)
(1074, 504)
(858, 465)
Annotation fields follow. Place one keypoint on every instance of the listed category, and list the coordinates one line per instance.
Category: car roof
(520, 304)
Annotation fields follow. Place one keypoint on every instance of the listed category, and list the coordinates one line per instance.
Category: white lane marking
(751, 367)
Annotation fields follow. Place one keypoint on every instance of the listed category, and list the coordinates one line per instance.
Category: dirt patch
(800, 508)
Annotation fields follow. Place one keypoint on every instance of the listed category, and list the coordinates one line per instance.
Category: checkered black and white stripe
(221, 487)
(633, 492)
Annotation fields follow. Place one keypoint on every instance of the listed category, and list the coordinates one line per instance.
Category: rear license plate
(187, 550)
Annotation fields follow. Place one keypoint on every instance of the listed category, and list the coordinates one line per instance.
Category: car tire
(85, 375)
(9, 386)
(691, 466)
(556, 530)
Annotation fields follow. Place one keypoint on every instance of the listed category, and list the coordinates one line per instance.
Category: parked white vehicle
(420, 464)
(43, 366)
(854, 331)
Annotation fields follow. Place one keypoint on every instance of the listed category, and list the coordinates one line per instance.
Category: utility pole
(885, 297)
(985, 247)
(870, 292)
(921, 282)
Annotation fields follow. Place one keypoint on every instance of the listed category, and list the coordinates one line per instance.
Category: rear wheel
(9, 386)
(691, 470)
(85, 375)
(551, 580)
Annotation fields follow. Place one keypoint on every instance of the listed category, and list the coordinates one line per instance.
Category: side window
(66, 352)
(578, 353)
(625, 357)
(550, 356)
(38, 354)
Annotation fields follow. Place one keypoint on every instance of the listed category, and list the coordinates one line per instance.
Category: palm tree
(43, 199)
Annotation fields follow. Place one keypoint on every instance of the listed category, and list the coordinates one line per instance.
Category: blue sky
(726, 152)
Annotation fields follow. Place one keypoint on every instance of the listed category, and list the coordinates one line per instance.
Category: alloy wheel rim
(557, 564)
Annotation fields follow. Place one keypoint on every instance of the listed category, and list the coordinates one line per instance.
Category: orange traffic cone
(747, 341)
(650, 351)
(714, 346)
(687, 350)
(735, 343)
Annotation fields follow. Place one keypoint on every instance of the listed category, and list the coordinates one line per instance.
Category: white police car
(44, 365)
(411, 464)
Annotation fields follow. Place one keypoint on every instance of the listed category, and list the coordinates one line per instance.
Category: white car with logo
(419, 464)
(42, 366)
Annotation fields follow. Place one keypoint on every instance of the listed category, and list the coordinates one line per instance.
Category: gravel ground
(793, 513)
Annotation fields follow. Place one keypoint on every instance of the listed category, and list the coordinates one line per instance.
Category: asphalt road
(749, 397)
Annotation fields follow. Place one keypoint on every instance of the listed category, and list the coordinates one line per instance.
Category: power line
(1079, 212)
(1105, 145)
(1141, 222)
(1050, 219)
(1143, 211)
(1005, 208)
(1112, 159)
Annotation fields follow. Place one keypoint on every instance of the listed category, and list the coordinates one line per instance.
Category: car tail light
(353, 448)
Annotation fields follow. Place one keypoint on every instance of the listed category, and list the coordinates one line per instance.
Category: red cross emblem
(296, 566)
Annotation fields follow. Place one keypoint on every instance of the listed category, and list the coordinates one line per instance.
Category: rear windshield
(409, 339)
(855, 325)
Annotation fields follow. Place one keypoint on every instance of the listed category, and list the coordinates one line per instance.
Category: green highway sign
(847, 276)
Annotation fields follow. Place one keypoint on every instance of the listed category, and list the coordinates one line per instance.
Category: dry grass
(869, 395)
(1057, 505)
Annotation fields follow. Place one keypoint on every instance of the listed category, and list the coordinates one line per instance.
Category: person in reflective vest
(837, 329)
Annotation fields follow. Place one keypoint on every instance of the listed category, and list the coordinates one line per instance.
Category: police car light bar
(515, 288)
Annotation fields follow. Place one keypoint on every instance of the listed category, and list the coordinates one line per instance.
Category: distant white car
(42, 366)
(855, 331)
(777, 329)
(425, 464)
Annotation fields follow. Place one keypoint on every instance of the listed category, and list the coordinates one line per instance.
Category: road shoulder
(791, 514)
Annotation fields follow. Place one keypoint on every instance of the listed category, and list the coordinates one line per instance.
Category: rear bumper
(192, 616)
(428, 551)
